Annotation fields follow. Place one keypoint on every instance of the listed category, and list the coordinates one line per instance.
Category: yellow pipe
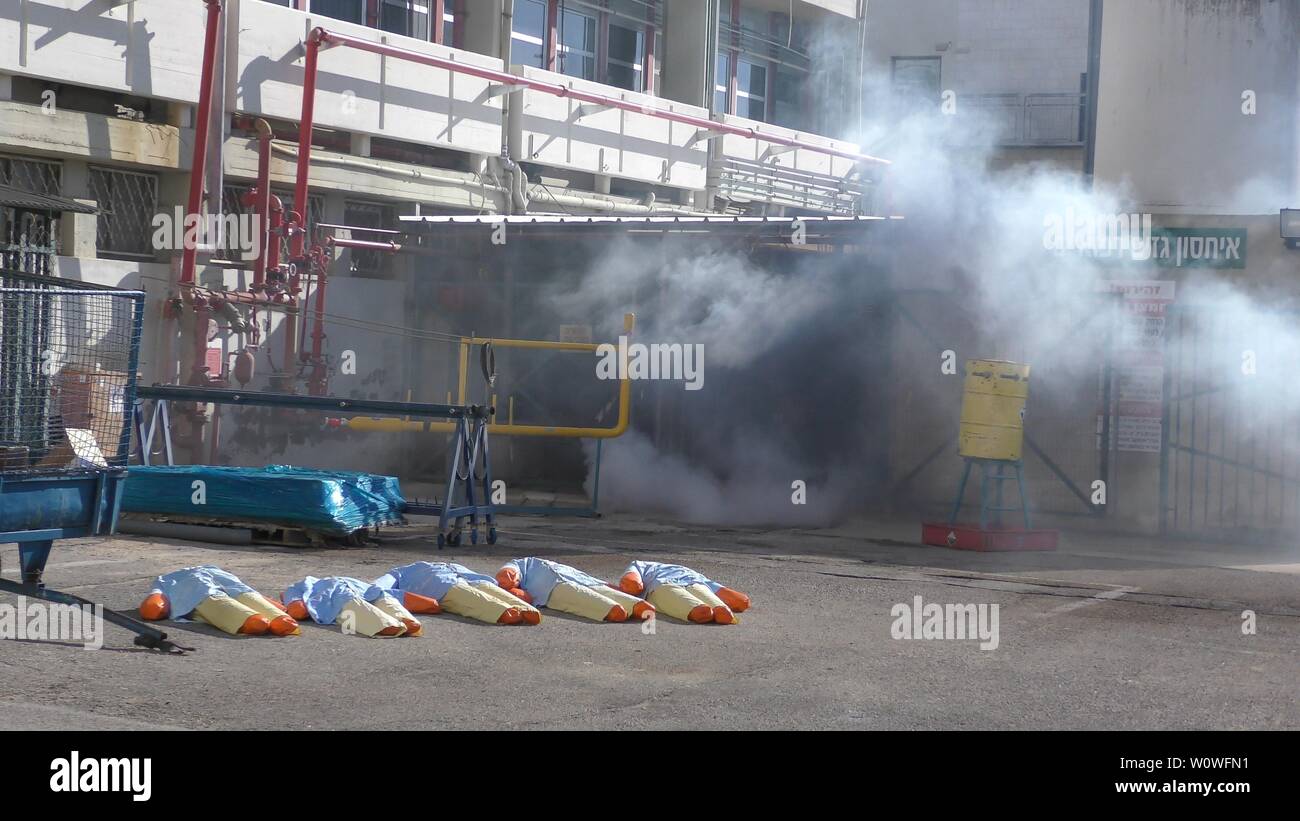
(387, 425)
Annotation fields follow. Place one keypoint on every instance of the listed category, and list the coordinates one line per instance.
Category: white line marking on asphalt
(1108, 595)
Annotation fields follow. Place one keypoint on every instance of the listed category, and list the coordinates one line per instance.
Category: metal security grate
(27, 241)
(68, 356)
(37, 176)
(231, 204)
(368, 215)
(128, 201)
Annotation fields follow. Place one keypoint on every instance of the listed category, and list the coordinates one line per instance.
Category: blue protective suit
(325, 598)
(432, 579)
(538, 577)
(654, 574)
(186, 589)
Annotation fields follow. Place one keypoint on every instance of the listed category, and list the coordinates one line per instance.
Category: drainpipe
(304, 141)
(262, 203)
(202, 120)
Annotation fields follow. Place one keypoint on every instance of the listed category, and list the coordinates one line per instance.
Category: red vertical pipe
(262, 202)
(274, 227)
(203, 116)
(317, 386)
(551, 55)
(438, 10)
(304, 140)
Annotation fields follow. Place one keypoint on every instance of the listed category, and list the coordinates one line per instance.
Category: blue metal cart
(68, 358)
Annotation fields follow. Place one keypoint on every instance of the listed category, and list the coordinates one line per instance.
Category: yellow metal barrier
(509, 428)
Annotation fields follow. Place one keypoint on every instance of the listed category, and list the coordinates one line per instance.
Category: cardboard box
(93, 401)
(79, 451)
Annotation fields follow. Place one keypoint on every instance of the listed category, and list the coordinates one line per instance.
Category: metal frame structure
(467, 457)
(74, 503)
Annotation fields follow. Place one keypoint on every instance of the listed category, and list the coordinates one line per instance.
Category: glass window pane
(625, 45)
(578, 31)
(752, 79)
(352, 11)
(399, 18)
(917, 77)
(526, 54)
(622, 76)
(530, 18)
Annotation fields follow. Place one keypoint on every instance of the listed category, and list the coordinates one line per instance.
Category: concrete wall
(565, 133)
(986, 46)
(360, 92)
(1171, 125)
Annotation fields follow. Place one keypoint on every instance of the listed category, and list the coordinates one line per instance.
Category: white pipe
(518, 179)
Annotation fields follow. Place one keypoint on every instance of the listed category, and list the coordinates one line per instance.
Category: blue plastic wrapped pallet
(327, 501)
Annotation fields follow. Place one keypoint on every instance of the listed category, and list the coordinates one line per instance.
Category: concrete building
(98, 104)
(1196, 130)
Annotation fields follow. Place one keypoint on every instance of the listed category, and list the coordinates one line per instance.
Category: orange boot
(285, 625)
(531, 616)
(737, 601)
(616, 613)
(643, 610)
(155, 607)
(723, 615)
(297, 610)
(511, 616)
(701, 614)
(631, 583)
(520, 593)
(255, 625)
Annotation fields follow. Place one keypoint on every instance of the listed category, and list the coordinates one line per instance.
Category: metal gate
(1071, 383)
(1230, 464)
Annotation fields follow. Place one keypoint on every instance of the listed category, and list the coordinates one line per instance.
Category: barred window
(127, 201)
(37, 176)
(231, 203)
(368, 215)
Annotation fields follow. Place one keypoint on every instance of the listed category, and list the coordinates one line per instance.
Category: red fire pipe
(304, 139)
(262, 201)
(204, 114)
(320, 37)
(317, 381)
(274, 228)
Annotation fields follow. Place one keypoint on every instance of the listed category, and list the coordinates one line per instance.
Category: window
(720, 85)
(37, 176)
(527, 41)
(787, 103)
(577, 45)
(916, 80)
(368, 215)
(127, 201)
(449, 23)
(408, 17)
(751, 91)
(353, 11)
(626, 57)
